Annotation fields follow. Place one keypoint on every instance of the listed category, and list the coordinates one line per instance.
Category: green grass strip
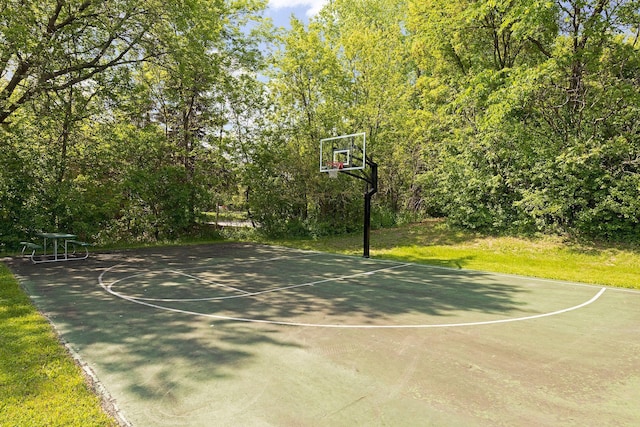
(549, 257)
(40, 384)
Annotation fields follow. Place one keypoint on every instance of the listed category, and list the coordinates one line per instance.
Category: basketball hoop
(347, 153)
(334, 168)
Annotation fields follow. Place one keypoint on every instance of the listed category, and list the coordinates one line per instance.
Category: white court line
(209, 281)
(109, 289)
(467, 271)
(304, 254)
(253, 261)
(200, 279)
(245, 294)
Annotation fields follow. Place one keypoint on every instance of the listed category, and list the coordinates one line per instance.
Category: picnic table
(61, 243)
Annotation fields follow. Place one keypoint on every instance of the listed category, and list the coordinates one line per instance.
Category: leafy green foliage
(112, 114)
(346, 72)
(125, 120)
(543, 135)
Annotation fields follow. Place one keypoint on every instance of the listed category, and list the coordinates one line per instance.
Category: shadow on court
(237, 334)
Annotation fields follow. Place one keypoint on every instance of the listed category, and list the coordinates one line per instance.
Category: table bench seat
(30, 245)
(55, 257)
(84, 245)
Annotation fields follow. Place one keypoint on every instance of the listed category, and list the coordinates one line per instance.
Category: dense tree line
(115, 114)
(516, 115)
(127, 119)
(535, 113)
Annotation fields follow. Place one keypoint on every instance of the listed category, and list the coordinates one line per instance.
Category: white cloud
(312, 6)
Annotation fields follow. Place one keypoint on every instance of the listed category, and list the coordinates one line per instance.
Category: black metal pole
(367, 223)
(372, 188)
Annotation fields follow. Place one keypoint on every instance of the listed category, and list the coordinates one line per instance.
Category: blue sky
(281, 10)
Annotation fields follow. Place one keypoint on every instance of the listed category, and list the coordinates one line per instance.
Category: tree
(348, 71)
(53, 46)
(193, 81)
(112, 108)
(533, 137)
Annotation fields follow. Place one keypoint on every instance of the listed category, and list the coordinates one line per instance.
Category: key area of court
(251, 335)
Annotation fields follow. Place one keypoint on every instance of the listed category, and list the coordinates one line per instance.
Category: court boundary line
(141, 301)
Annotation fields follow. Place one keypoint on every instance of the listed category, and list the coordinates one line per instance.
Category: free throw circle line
(245, 294)
(253, 261)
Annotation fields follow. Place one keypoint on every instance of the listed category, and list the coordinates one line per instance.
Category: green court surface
(240, 334)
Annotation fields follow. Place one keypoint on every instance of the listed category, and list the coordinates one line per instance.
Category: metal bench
(83, 245)
(33, 246)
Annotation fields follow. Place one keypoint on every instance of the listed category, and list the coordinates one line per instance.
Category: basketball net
(335, 168)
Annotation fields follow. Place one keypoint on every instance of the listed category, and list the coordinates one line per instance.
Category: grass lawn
(432, 242)
(40, 385)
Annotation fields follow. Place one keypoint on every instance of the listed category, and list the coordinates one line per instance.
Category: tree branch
(540, 47)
